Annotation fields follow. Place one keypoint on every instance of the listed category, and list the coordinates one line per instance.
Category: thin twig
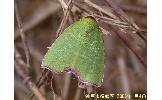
(39, 82)
(63, 4)
(121, 13)
(136, 64)
(122, 36)
(112, 20)
(105, 19)
(142, 35)
(29, 83)
(26, 49)
(65, 18)
(100, 9)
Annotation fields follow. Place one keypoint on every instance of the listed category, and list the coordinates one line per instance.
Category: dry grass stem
(26, 49)
(29, 83)
(65, 18)
(100, 9)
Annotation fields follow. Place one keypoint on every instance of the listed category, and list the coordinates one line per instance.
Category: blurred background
(37, 25)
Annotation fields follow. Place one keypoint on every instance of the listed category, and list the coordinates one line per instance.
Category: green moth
(80, 50)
